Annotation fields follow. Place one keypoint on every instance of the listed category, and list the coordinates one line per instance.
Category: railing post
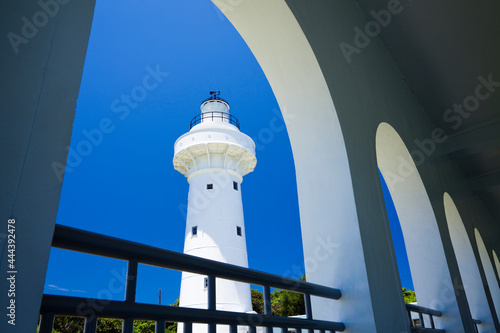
(131, 283)
(188, 327)
(476, 322)
(46, 323)
(128, 325)
(431, 319)
(130, 290)
(90, 325)
(211, 292)
(160, 326)
(307, 303)
(409, 316)
(421, 316)
(267, 301)
(233, 328)
(212, 327)
(268, 311)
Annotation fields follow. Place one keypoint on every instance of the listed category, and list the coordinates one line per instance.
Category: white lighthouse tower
(214, 156)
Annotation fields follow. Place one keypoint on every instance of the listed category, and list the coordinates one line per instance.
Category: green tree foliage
(257, 301)
(283, 302)
(409, 296)
(109, 325)
(64, 324)
(287, 303)
(144, 326)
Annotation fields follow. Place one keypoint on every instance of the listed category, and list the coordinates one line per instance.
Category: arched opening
(145, 77)
(333, 253)
(468, 267)
(488, 272)
(426, 257)
(397, 240)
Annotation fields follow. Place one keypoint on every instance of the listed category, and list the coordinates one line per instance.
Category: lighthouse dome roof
(214, 104)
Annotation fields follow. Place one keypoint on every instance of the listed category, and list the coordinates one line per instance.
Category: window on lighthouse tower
(235, 186)
(238, 230)
(194, 231)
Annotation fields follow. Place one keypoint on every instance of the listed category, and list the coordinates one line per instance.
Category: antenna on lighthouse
(215, 94)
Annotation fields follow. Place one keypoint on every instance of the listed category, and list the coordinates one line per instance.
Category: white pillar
(214, 156)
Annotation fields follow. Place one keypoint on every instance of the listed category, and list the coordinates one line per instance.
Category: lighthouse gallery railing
(128, 310)
(214, 115)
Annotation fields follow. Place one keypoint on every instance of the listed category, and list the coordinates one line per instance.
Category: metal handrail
(425, 330)
(476, 322)
(421, 311)
(214, 115)
(418, 308)
(67, 305)
(88, 242)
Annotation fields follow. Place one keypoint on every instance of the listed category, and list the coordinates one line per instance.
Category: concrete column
(42, 54)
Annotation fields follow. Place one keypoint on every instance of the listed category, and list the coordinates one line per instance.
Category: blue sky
(149, 65)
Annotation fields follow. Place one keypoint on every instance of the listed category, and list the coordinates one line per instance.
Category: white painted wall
(216, 213)
(468, 266)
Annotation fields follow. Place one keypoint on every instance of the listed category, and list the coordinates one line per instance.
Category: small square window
(210, 186)
(235, 186)
(238, 231)
(194, 231)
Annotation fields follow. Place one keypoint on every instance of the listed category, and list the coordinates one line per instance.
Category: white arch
(497, 263)
(331, 237)
(467, 265)
(426, 256)
(488, 271)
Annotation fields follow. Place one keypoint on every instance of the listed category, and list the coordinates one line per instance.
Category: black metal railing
(421, 311)
(476, 322)
(128, 310)
(214, 115)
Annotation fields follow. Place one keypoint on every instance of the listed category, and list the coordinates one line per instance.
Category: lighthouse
(214, 156)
